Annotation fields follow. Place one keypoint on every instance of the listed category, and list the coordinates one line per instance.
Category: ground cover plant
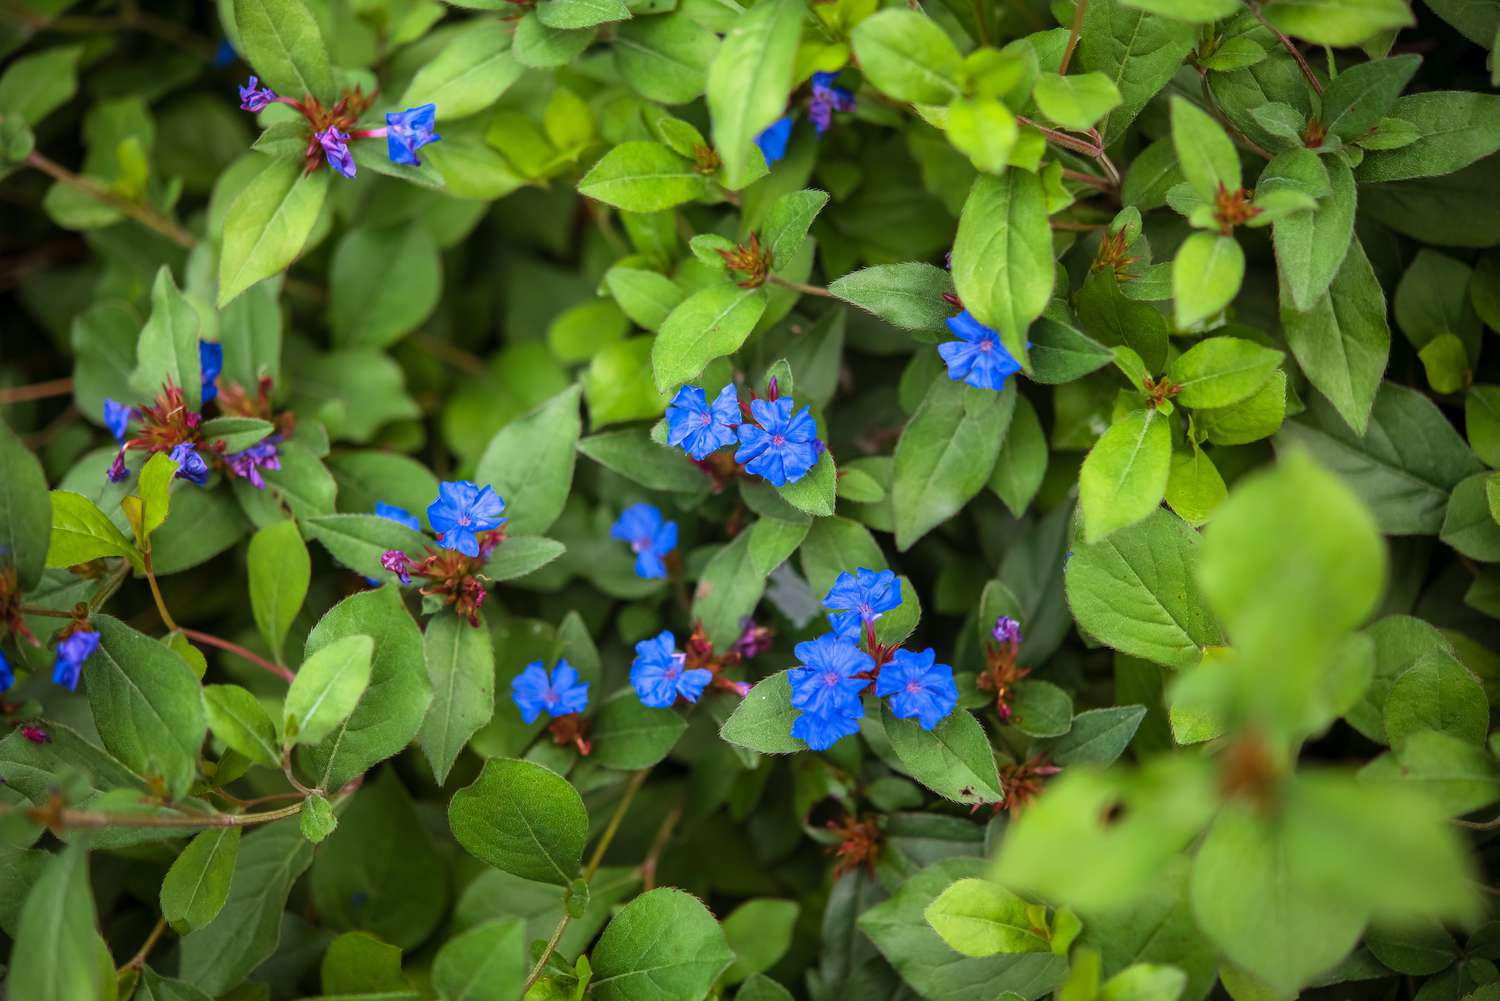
(656, 500)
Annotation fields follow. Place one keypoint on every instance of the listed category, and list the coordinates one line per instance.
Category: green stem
(161, 605)
(1079, 9)
(802, 287)
(68, 819)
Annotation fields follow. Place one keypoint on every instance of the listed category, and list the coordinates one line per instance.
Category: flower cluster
(826, 98)
(661, 674)
(1001, 671)
(834, 673)
(560, 694)
(330, 130)
(775, 441)
(651, 538)
(467, 520)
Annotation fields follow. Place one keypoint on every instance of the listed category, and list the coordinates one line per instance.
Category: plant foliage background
(650, 500)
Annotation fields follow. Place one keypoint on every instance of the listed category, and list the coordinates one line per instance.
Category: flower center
(464, 519)
(550, 697)
(986, 345)
(831, 678)
(778, 439)
(913, 687)
(673, 672)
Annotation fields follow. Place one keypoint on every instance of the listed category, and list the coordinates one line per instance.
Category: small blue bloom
(71, 653)
(248, 463)
(650, 538)
(336, 149)
(919, 688)
(399, 515)
(7, 676)
(211, 361)
(254, 97)
(190, 465)
(846, 627)
(534, 692)
(224, 55)
(117, 417)
(701, 429)
(781, 446)
(861, 597)
(826, 99)
(822, 732)
(117, 472)
(659, 673)
(825, 683)
(773, 140)
(979, 359)
(408, 131)
(461, 510)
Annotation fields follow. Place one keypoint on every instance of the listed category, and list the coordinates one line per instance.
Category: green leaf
(748, 83)
(327, 687)
(1206, 156)
(36, 85)
(484, 963)
(461, 668)
(530, 462)
(728, 590)
(814, 494)
(1469, 525)
(666, 58)
(146, 704)
(1455, 128)
(280, 572)
(519, 555)
(317, 821)
(238, 719)
(56, 942)
(168, 347)
(1002, 255)
(1137, 50)
(1221, 371)
(628, 735)
(709, 324)
(1061, 354)
(664, 945)
(1343, 341)
(1206, 276)
(268, 223)
(1137, 592)
(787, 222)
(1194, 486)
(154, 987)
(522, 818)
(646, 297)
(618, 385)
(909, 296)
(908, 57)
(642, 177)
(1077, 101)
(581, 13)
(1482, 422)
(1097, 737)
(773, 541)
(147, 508)
(469, 73)
(946, 453)
(197, 885)
(980, 918)
(632, 454)
(759, 933)
(763, 719)
(1362, 94)
(1436, 693)
(282, 41)
(1197, 11)
(1337, 22)
(1038, 708)
(1124, 476)
(358, 541)
(1022, 464)
(219, 956)
(1311, 246)
(26, 513)
(81, 532)
(393, 706)
(954, 759)
(236, 433)
(384, 283)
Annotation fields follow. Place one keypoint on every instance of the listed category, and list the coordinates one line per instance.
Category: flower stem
(139, 959)
(161, 605)
(799, 286)
(50, 613)
(610, 830)
(63, 818)
(235, 648)
(1079, 9)
(36, 391)
(1291, 47)
(140, 212)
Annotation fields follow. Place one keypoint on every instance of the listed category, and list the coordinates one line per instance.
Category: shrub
(653, 501)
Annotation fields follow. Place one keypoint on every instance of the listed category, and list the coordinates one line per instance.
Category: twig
(452, 354)
(36, 391)
(1291, 47)
(140, 212)
(800, 286)
(595, 860)
(161, 605)
(235, 648)
(64, 818)
(1079, 9)
(658, 845)
(139, 959)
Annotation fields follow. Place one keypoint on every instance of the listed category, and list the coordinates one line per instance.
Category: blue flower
(190, 465)
(659, 673)
(826, 99)
(846, 627)
(562, 694)
(254, 97)
(701, 429)
(211, 361)
(1007, 630)
(224, 55)
(336, 149)
(7, 676)
(117, 471)
(399, 515)
(861, 597)
(919, 688)
(461, 510)
(71, 653)
(649, 536)
(248, 464)
(826, 683)
(822, 732)
(408, 131)
(117, 417)
(979, 358)
(773, 140)
(781, 446)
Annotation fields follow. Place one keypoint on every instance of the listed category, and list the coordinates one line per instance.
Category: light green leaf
(748, 83)
(522, 818)
(664, 945)
(280, 572)
(197, 885)
(328, 686)
(1002, 255)
(282, 41)
(469, 73)
(461, 668)
(530, 462)
(709, 324)
(267, 224)
(907, 56)
(1124, 476)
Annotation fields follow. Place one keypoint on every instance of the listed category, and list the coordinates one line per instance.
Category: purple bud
(254, 98)
(336, 149)
(397, 563)
(1007, 630)
(117, 471)
(190, 465)
(248, 464)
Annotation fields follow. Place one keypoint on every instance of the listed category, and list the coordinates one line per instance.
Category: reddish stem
(235, 648)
